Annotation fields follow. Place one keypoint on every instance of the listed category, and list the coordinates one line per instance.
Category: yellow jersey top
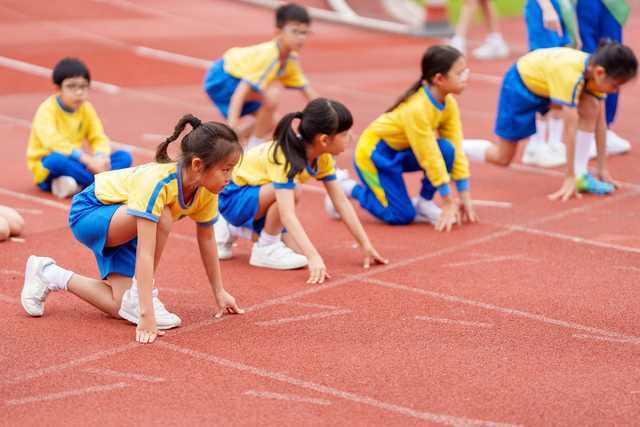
(413, 124)
(147, 189)
(557, 73)
(57, 129)
(259, 65)
(257, 167)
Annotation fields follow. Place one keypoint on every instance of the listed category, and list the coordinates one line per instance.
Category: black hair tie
(168, 141)
(298, 115)
(195, 122)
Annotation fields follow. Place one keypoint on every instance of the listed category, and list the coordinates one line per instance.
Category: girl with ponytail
(266, 186)
(125, 218)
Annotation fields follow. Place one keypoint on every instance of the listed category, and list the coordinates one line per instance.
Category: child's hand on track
(447, 216)
(605, 176)
(567, 190)
(147, 329)
(317, 271)
(226, 301)
(370, 254)
(467, 214)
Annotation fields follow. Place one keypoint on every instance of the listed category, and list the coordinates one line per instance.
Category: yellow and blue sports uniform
(146, 190)
(539, 37)
(239, 200)
(55, 143)
(597, 22)
(403, 140)
(257, 65)
(536, 79)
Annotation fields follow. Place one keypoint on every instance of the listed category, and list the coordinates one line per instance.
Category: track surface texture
(528, 318)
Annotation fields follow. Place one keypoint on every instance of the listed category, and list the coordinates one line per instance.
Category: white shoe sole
(133, 319)
(25, 287)
(288, 266)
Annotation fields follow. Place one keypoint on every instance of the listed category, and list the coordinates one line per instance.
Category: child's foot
(346, 182)
(130, 310)
(491, 50)
(588, 184)
(224, 238)
(426, 211)
(64, 186)
(459, 43)
(35, 289)
(544, 156)
(615, 145)
(277, 256)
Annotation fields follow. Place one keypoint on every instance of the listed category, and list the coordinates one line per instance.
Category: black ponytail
(617, 60)
(320, 116)
(438, 59)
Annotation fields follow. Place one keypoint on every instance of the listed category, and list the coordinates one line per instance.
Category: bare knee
(12, 219)
(271, 97)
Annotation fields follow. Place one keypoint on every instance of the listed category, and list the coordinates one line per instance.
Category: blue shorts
(517, 108)
(220, 86)
(89, 220)
(539, 37)
(239, 205)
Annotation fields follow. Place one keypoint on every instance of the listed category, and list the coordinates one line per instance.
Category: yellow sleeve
(326, 168)
(563, 89)
(276, 173)
(147, 201)
(294, 76)
(97, 140)
(46, 130)
(451, 130)
(208, 212)
(420, 134)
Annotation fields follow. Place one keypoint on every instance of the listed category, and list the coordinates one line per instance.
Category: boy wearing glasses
(54, 153)
(242, 81)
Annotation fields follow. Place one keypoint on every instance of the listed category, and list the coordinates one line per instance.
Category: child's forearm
(236, 103)
(209, 255)
(294, 228)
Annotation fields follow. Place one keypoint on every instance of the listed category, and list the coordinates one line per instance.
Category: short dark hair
(291, 12)
(69, 67)
(617, 60)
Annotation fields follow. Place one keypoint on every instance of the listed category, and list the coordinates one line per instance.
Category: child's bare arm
(310, 93)
(568, 188)
(147, 329)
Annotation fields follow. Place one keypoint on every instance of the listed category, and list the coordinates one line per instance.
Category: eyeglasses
(296, 32)
(75, 87)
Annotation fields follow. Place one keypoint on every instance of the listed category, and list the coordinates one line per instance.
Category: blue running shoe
(588, 184)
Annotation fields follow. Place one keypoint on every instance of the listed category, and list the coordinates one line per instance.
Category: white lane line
(42, 201)
(627, 268)
(492, 204)
(494, 259)
(454, 322)
(574, 239)
(125, 375)
(300, 318)
(438, 418)
(504, 310)
(70, 393)
(601, 338)
(30, 211)
(51, 369)
(291, 397)
(309, 304)
(9, 300)
(16, 272)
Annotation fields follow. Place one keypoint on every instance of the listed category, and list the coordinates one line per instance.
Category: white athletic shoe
(130, 310)
(426, 211)
(615, 145)
(35, 289)
(64, 186)
(491, 50)
(545, 156)
(331, 210)
(224, 238)
(459, 43)
(277, 256)
(346, 182)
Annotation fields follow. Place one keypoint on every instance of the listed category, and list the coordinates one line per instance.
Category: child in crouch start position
(403, 140)
(266, 186)
(579, 82)
(125, 218)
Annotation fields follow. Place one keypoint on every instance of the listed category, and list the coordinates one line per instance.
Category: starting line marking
(494, 259)
(601, 338)
(455, 322)
(64, 394)
(291, 397)
(124, 375)
(627, 268)
(306, 317)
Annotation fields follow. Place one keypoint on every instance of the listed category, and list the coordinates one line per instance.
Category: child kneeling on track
(579, 82)
(61, 123)
(125, 217)
(403, 140)
(267, 185)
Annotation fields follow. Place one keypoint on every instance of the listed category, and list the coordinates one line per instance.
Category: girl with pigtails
(261, 200)
(125, 218)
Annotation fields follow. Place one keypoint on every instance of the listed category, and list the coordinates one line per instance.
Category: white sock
(476, 148)
(57, 277)
(556, 126)
(458, 42)
(268, 239)
(243, 232)
(538, 138)
(581, 157)
(133, 292)
(495, 39)
(254, 141)
(348, 185)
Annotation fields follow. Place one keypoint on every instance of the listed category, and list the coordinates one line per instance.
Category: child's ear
(57, 88)
(599, 71)
(196, 165)
(437, 79)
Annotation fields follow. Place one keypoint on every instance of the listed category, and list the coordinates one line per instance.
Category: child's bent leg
(265, 115)
(61, 165)
(13, 220)
(120, 160)
(99, 294)
(501, 153)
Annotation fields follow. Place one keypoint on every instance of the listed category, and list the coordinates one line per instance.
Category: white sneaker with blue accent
(130, 310)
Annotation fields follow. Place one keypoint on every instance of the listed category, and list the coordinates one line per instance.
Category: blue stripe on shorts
(89, 220)
(517, 108)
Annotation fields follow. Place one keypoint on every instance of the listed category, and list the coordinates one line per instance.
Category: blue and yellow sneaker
(588, 184)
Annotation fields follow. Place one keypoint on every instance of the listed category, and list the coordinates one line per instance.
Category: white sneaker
(64, 186)
(35, 289)
(331, 210)
(491, 50)
(224, 238)
(130, 310)
(277, 256)
(459, 43)
(426, 210)
(346, 182)
(545, 156)
(615, 145)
